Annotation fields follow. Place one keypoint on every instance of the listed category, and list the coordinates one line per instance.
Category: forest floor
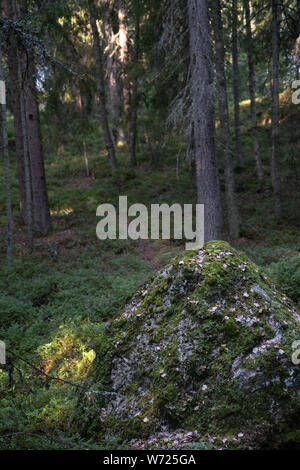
(56, 300)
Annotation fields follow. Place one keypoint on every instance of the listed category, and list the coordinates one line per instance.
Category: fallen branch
(58, 379)
(40, 371)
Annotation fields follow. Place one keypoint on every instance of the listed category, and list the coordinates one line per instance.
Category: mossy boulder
(207, 345)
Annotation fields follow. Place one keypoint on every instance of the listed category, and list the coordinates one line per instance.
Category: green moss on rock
(205, 346)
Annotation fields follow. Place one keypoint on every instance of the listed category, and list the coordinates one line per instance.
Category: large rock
(205, 346)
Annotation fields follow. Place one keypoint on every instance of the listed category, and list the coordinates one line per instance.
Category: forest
(114, 336)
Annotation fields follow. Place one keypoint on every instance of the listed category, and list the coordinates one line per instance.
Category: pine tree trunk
(232, 208)
(41, 213)
(83, 118)
(19, 61)
(275, 152)
(203, 118)
(26, 156)
(29, 150)
(101, 88)
(252, 92)
(297, 45)
(113, 66)
(134, 97)
(15, 103)
(124, 60)
(236, 84)
(7, 173)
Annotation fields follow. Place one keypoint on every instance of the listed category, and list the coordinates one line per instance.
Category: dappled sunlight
(61, 212)
(245, 103)
(68, 354)
(103, 154)
(121, 144)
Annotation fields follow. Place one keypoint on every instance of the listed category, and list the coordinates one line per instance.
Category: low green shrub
(286, 274)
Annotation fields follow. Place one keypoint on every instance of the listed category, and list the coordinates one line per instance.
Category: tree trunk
(134, 96)
(203, 118)
(15, 103)
(7, 173)
(236, 84)
(101, 88)
(275, 152)
(26, 155)
(297, 45)
(17, 59)
(232, 208)
(252, 92)
(29, 149)
(83, 119)
(113, 66)
(41, 214)
(124, 59)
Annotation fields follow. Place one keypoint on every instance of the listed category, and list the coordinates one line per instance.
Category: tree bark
(101, 88)
(16, 57)
(232, 208)
(134, 96)
(26, 155)
(203, 118)
(297, 44)
(252, 92)
(41, 213)
(29, 149)
(6, 173)
(124, 59)
(275, 152)
(236, 84)
(113, 67)
(83, 118)
(15, 102)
